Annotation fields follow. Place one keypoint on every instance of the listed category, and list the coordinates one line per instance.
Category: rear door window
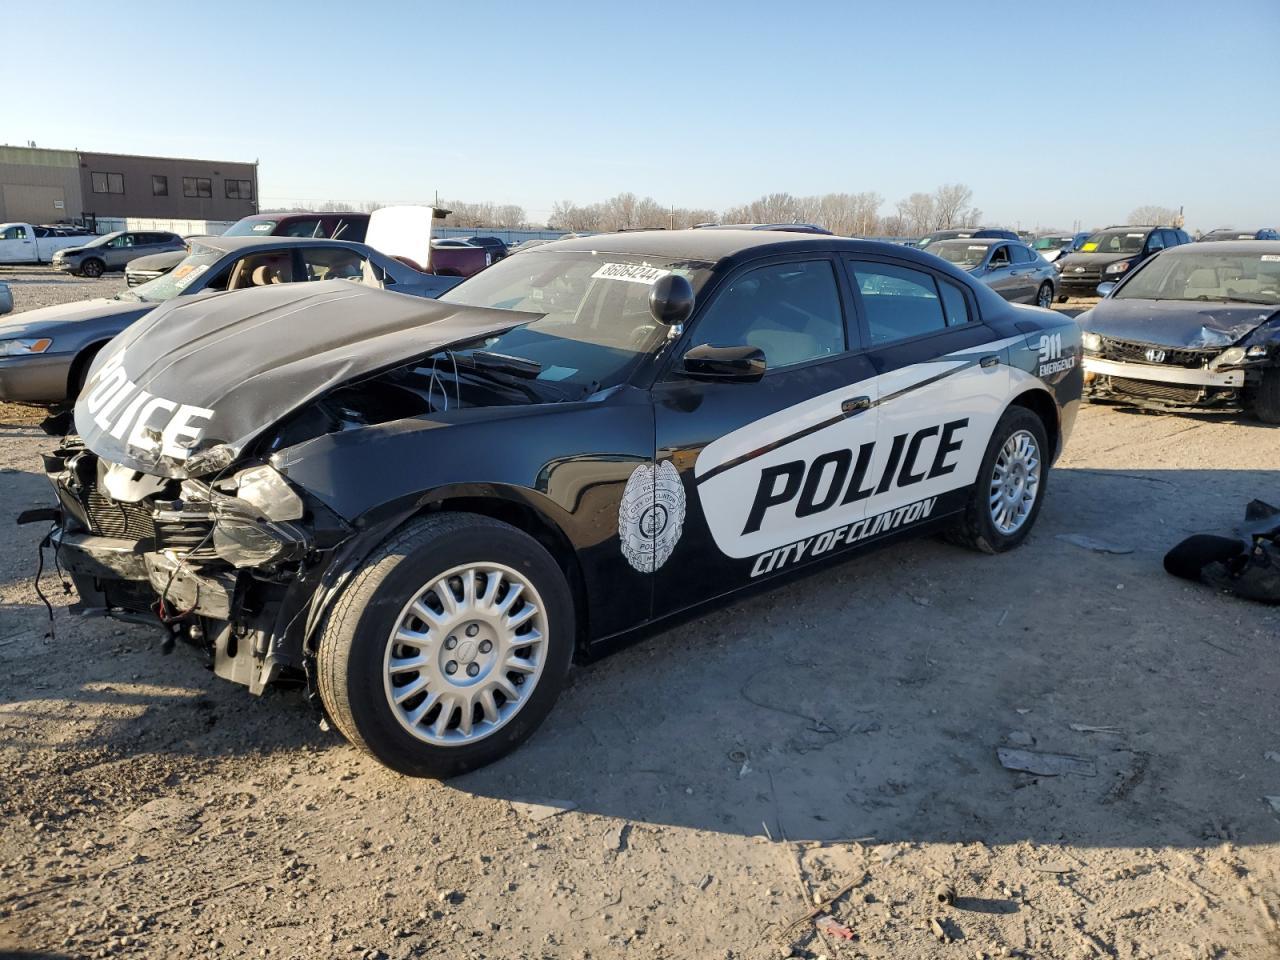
(308, 227)
(899, 302)
(1021, 254)
(331, 263)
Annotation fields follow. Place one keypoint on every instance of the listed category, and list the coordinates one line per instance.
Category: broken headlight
(1091, 342)
(1257, 351)
(1227, 358)
(248, 543)
(264, 489)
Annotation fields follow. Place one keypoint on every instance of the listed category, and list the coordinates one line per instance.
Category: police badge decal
(651, 516)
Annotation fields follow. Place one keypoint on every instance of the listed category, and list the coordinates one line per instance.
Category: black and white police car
(422, 509)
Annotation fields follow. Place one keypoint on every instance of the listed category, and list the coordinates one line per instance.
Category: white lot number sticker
(630, 272)
(1135, 234)
(190, 275)
(1270, 258)
(976, 247)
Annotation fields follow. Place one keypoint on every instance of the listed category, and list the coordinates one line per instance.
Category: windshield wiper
(1233, 299)
(502, 363)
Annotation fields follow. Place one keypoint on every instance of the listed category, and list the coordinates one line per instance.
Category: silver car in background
(1010, 268)
(6, 298)
(114, 251)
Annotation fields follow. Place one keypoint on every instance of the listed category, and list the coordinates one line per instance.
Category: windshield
(1115, 241)
(169, 285)
(597, 325)
(1052, 243)
(1243, 277)
(249, 227)
(960, 252)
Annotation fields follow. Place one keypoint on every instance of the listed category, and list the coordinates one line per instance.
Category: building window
(108, 182)
(159, 186)
(239, 189)
(197, 187)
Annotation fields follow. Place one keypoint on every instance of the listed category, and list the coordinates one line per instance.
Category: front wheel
(1266, 398)
(1044, 298)
(449, 646)
(92, 268)
(1006, 498)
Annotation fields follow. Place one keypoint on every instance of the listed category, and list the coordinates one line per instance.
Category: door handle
(988, 362)
(855, 405)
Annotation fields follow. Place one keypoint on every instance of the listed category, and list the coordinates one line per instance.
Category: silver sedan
(1011, 269)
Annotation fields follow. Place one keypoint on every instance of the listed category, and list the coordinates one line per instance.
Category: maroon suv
(332, 226)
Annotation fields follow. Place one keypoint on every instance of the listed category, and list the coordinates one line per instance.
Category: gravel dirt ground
(693, 795)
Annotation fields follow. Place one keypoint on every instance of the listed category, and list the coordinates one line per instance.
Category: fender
(373, 529)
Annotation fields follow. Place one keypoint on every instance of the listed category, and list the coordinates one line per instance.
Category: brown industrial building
(48, 186)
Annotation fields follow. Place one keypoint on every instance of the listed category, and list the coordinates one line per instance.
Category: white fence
(207, 228)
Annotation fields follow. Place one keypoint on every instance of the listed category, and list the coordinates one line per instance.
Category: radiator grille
(111, 518)
(1152, 390)
(1128, 350)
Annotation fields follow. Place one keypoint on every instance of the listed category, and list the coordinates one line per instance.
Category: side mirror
(671, 299)
(1104, 289)
(742, 364)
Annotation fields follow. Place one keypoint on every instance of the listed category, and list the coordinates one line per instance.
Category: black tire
(357, 631)
(75, 383)
(976, 528)
(1063, 298)
(92, 268)
(1266, 398)
(1044, 296)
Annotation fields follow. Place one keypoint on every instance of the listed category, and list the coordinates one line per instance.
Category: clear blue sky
(1051, 111)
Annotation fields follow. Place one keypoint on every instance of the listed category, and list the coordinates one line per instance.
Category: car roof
(296, 214)
(984, 241)
(230, 244)
(1222, 246)
(716, 245)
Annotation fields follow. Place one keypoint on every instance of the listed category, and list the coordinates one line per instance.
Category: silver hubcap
(465, 654)
(1015, 483)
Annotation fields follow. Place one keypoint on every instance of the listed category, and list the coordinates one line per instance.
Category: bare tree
(917, 213)
(567, 215)
(1154, 214)
(952, 207)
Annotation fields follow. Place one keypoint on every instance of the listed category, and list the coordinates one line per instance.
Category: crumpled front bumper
(112, 576)
(149, 561)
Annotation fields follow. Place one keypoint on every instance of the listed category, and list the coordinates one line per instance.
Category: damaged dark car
(421, 517)
(1197, 327)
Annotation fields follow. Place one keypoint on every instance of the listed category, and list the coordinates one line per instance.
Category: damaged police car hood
(1192, 324)
(183, 392)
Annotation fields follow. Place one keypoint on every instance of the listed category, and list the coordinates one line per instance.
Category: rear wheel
(1044, 298)
(1266, 398)
(93, 267)
(1006, 498)
(449, 646)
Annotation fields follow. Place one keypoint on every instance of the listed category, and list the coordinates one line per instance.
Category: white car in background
(6, 298)
(28, 243)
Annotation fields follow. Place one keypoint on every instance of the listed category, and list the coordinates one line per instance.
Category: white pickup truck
(27, 243)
